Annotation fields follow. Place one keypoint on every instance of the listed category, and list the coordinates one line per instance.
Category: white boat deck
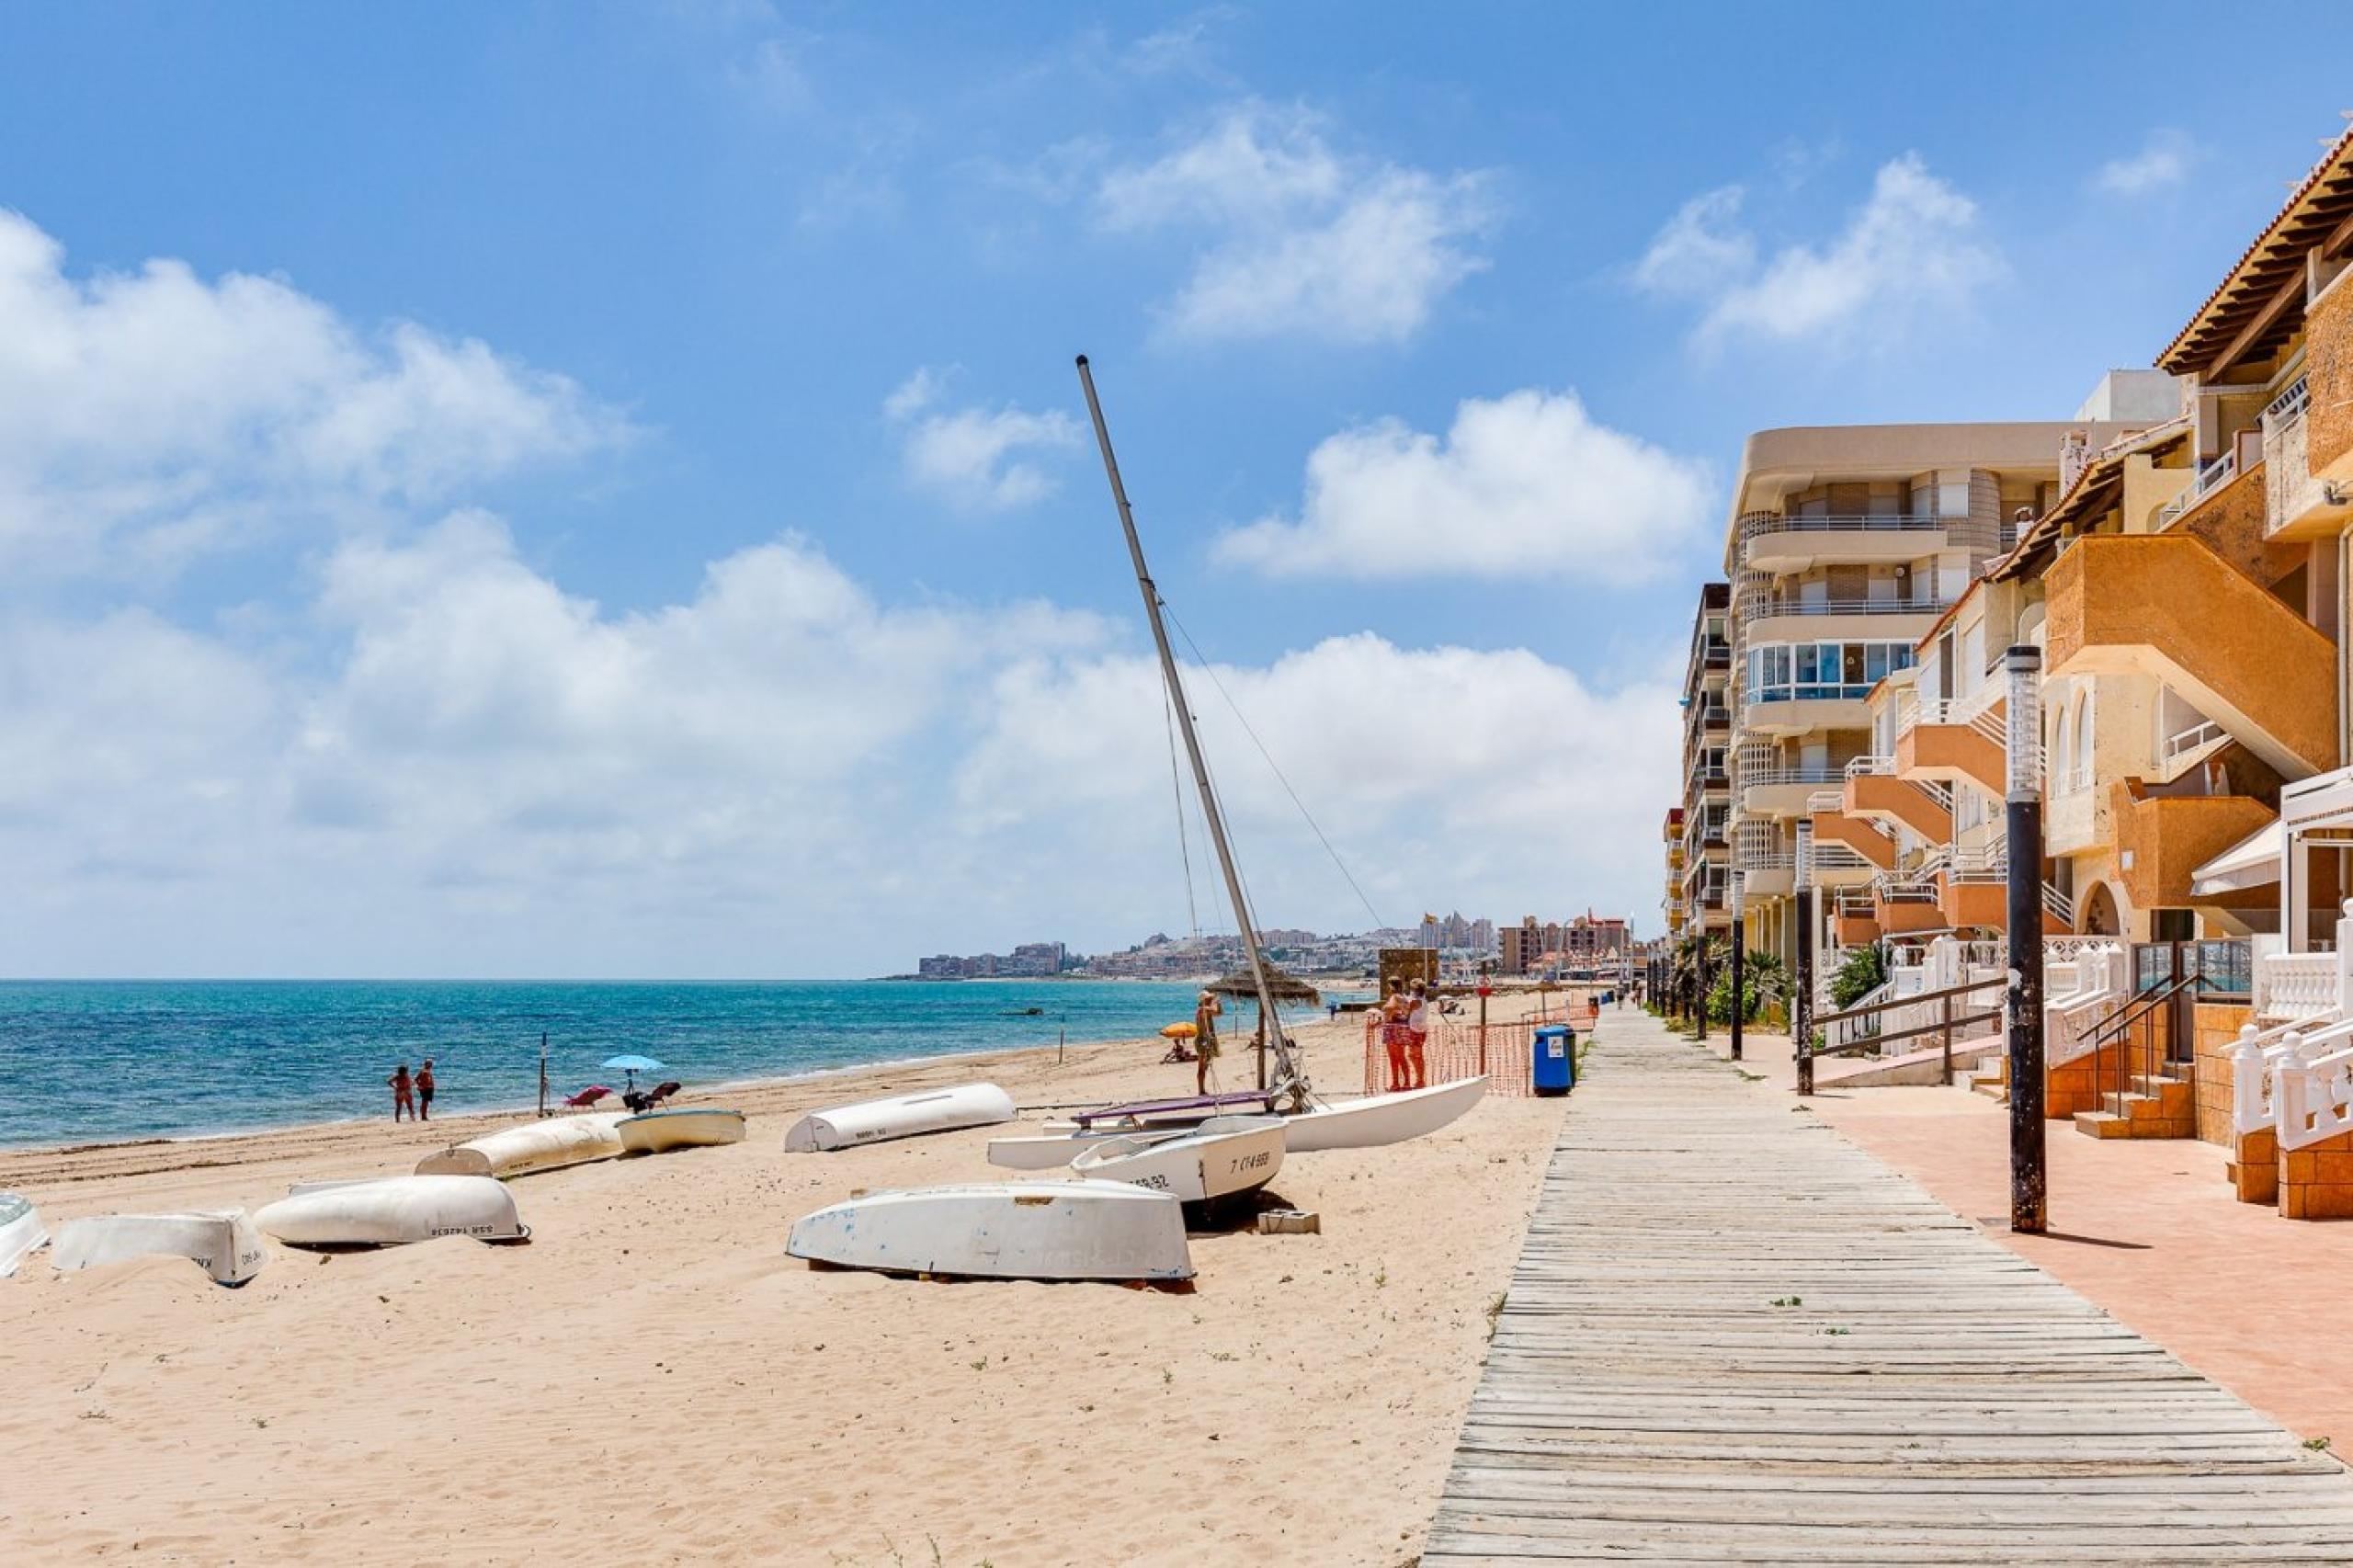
(1732, 1336)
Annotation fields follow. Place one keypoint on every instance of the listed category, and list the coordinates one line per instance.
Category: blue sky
(583, 490)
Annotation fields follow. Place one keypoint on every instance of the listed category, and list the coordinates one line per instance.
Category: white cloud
(1299, 238)
(151, 416)
(972, 458)
(1913, 250)
(1527, 484)
(2163, 162)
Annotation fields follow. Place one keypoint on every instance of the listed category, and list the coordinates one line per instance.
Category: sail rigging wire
(1235, 708)
(1176, 783)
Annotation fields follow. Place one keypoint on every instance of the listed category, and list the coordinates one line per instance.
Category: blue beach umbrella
(633, 1066)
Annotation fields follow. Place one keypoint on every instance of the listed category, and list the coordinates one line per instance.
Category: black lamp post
(1739, 942)
(2023, 804)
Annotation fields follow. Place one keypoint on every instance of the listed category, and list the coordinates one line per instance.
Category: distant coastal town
(1530, 948)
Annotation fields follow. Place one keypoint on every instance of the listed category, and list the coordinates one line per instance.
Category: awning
(2253, 862)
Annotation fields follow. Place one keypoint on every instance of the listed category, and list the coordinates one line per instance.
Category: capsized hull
(223, 1245)
(20, 1231)
(1378, 1119)
(658, 1132)
(393, 1211)
(1225, 1156)
(1021, 1230)
(902, 1116)
(546, 1145)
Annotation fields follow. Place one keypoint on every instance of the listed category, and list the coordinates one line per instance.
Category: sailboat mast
(1289, 1081)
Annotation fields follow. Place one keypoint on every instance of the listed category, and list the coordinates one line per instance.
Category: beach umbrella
(1284, 987)
(633, 1066)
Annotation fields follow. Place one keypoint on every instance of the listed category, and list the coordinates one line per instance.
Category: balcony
(2298, 503)
(1801, 709)
(1785, 619)
(2075, 816)
(2160, 840)
(1783, 791)
(1858, 836)
(1941, 742)
(1772, 542)
(2166, 606)
(1904, 908)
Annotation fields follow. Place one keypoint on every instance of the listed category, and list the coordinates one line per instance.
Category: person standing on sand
(1394, 1034)
(1205, 1016)
(401, 1103)
(424, 1091)
(1417, 1034)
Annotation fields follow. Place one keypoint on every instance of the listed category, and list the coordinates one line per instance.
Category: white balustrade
(2312, 1096)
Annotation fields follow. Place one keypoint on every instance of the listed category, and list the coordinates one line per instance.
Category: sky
(601, 490)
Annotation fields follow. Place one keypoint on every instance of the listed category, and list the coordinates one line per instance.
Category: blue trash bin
(1555, 1068)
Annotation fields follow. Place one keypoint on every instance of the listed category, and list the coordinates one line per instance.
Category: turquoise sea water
(86, 1060)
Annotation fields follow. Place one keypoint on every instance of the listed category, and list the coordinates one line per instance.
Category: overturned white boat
(393, 1211)
(533, 1147)
(20, 1231)
(223, 1245)
(1224, 1156)
(1378, 1120)
(659, 1131)
(1021, 1230)
(902, 1116)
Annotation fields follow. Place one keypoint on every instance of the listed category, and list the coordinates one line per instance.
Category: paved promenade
(1735, 1337)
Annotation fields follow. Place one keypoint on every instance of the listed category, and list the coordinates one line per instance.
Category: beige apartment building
(1846, 547)
(1699, 831)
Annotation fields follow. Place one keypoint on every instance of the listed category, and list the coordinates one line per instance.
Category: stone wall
(2232, 521)
(2215, 1031)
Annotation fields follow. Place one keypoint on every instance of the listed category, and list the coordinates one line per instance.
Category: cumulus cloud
(154, 415)
(1525, 484)
(976, 459)
(1912, 249)
(1298, 238)
(2161, 163)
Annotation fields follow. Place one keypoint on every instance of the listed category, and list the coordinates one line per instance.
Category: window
(1807, 671)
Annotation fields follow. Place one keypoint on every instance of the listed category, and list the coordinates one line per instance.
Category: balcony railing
(1757, 524)
(1750, 776)
(2290, 404)
(2184, 742)
(1812, 692)
(1761, 608)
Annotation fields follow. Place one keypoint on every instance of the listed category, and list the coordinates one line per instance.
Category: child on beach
(424, 1091)
(401, 1105)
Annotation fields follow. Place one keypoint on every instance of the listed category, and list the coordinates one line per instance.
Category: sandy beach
(651, 1379)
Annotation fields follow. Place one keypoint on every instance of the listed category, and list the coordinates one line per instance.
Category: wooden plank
(1732, 1337)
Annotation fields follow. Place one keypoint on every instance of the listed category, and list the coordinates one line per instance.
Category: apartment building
(1846, 547)
(1699, 866)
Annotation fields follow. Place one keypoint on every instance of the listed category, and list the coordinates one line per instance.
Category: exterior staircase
(2157, 1106)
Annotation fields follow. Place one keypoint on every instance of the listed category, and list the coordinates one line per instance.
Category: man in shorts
(424, 1091)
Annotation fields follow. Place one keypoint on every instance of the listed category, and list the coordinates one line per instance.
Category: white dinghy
(1021, 1229)
(20, 1231)
(223, 1245)
(533, 1147)
(659, 1131)
(903, 1116)
(1222, 1158)
(1050, 1151)
(1378, 1120)
(393, 1211)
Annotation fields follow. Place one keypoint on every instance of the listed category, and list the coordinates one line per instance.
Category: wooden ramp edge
(1732, 1336)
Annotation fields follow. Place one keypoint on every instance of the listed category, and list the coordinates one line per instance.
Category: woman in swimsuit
(401, 1105)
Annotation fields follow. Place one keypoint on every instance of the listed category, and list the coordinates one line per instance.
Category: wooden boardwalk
(1732, 1336)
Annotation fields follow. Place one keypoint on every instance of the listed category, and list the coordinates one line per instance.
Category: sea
(85, 1061)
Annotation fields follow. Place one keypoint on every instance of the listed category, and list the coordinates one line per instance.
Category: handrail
(1860, 1010)
(1754, 524)
(2140, 1008)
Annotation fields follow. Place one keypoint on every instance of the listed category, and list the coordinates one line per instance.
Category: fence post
(1739, 941)
(1944, 1009)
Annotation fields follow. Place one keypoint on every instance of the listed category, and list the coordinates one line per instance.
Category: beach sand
(651, 1379)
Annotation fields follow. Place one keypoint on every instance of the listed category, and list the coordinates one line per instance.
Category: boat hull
(225, 1245)
(394, 1211)
(1378, 1120)
(1033, 1230)
(1224, 1157)
(532, 1146)
(1050, 1151)
(20, 1231)
(659, 1131)
(903, 1116)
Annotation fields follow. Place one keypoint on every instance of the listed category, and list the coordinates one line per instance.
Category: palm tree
(1764, 981)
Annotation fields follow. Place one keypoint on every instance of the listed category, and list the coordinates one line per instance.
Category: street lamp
(2022, 799)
